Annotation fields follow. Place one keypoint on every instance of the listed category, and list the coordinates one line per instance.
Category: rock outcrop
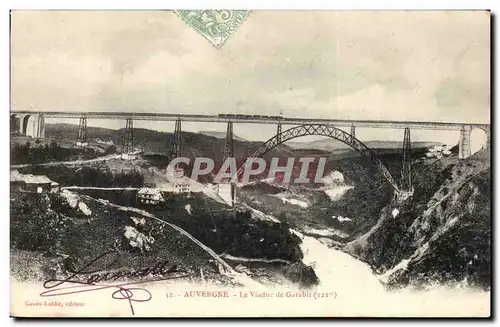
(442, 234)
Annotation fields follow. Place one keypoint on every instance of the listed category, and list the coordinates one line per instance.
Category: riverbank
(360, 292)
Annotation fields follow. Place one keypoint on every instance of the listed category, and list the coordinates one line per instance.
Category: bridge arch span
(25, 128)
(15, 123)
(329, 131)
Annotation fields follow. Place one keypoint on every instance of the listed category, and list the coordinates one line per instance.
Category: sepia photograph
(250, 163)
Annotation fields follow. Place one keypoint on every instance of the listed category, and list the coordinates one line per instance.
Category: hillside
(51, 234)
(221, 135)
(159, 144)
(61, 232)
(440, 236)
(333, 145)
(360, 196)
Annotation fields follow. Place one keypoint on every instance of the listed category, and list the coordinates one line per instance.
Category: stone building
(32, 183)
(149, 196)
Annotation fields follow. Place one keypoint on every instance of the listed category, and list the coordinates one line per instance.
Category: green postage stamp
(215, 25)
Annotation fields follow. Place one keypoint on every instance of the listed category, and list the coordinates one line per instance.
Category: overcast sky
(358, 65)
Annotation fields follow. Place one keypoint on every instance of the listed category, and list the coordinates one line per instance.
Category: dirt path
(74, 162)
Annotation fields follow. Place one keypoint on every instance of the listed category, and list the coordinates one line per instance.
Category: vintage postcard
(246, 163)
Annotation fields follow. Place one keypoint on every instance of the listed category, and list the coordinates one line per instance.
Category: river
(360, 292)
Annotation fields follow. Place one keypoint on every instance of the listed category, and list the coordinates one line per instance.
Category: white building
(150, 196)
(33, 183)
(132, 155)
(181, 186)
(179, 182)
(225, 192)
(129, 156)
(104, 142)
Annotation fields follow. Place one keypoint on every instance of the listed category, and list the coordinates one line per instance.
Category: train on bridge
(238, 116)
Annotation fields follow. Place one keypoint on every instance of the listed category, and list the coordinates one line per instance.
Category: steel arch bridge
(329, 131)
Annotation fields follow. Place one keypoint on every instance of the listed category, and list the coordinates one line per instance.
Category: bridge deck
(256, 119)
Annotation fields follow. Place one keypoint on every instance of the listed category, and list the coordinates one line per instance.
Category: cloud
(360, 65)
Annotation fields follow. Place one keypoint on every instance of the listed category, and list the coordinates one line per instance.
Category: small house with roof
(180, 183)
(149, 196)
(32, 183)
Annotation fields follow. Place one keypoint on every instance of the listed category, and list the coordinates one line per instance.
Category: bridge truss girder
(82, 131)
(129, 136)
(279, 129)
(329, 131)
(406, 180)
(229, 142)
(229, 153)
(176, 148)
(464, 150)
